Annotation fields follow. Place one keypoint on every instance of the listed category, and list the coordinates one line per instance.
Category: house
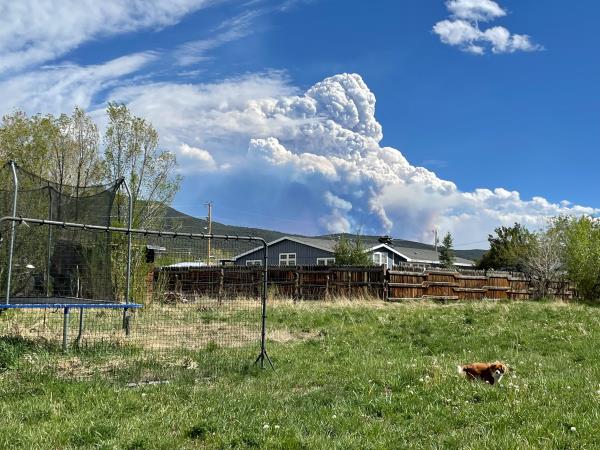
(304, 251)
(291, 251)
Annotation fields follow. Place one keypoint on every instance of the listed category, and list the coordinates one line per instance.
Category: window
(254, 262)
(287, 259)
(380, 259)
(325, 261)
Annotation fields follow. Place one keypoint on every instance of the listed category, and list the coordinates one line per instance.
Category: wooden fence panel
(403, 284)
(323, 282)
(441, 285)
(471, 287)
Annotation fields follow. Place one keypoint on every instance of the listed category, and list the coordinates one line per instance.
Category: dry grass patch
(75, 368)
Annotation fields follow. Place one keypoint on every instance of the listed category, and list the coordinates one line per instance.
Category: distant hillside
(179, 221)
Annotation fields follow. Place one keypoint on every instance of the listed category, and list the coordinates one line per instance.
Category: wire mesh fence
(211, 338)
(209, 322)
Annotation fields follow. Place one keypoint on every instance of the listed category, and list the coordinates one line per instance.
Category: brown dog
(489, 372)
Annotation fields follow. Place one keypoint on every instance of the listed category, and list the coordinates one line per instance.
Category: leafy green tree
(26, 140)
(131, 151)
(62, 149)
(580, 243)
(351, 252)
(83, 132)
(508, 248)
(543, 263)
(447, 251)
(66, 150)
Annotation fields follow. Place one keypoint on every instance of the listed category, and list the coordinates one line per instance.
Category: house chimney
(387, 240)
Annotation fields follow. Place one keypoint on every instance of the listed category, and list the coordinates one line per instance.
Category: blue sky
(505, 135)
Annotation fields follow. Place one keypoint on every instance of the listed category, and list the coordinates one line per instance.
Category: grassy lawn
(351, 375)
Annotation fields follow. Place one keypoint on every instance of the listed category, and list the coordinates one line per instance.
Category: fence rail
(324, 282)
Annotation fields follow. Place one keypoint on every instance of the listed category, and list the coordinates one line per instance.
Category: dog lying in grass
(489, 372)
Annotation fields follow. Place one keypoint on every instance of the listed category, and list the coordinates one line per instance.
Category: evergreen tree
(447, 251)
(351, 253)
(508, 248)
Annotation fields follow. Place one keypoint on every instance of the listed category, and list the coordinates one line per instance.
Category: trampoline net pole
(65, 343)
(49, 254)
(12, 230)
(128, 274)
(129, 227)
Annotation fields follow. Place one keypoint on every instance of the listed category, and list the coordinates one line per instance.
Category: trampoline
(69, 248)
(63, 302)
(55, 266)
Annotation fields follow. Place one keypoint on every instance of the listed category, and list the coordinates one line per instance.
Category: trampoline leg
(80, 334)
(66, 330)
(126, 322)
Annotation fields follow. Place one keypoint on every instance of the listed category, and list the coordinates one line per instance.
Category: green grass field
(351, 375)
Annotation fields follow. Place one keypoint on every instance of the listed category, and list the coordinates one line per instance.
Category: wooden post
(178, 289)
(384, 282)
(327, 286)
(349, 284)
(221, 284)
(150, 285)
(296, 285)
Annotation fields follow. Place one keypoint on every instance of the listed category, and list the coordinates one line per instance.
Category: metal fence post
(49, 249)
(126, 324)
(65, 344)
(129, 228)
(263, 333)
(80, 334)
(12, 230)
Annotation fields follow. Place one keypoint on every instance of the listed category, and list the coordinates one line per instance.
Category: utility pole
(209, 219)
(436, 240)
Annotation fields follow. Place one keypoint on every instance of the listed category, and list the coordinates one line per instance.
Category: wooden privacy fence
(299, 282)
(323, 282)
(435, 283)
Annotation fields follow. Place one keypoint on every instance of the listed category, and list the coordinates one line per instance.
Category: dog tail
(460, 369)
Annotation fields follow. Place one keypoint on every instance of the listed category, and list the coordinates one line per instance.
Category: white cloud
(456, 32)
(310, 162)
(463, 31)
(59, 89)
(475, 10)
(195, 160)
(197, 51)
(36, 31)
(336, 202)
(313, 162)
(215, 115)
(274, 153)
(502, 41)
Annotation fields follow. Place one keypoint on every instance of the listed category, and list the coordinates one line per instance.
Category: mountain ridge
(177, 220)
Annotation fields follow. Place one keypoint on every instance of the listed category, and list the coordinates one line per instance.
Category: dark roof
(425, 255)
(323, 244)
(417, 255)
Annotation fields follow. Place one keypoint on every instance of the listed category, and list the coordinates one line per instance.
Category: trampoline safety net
(197, 312)
(55, 262)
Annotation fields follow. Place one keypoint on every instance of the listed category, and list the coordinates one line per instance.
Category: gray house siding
(389, 256)
(397, 260)
(308, 250)
(305, 255)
